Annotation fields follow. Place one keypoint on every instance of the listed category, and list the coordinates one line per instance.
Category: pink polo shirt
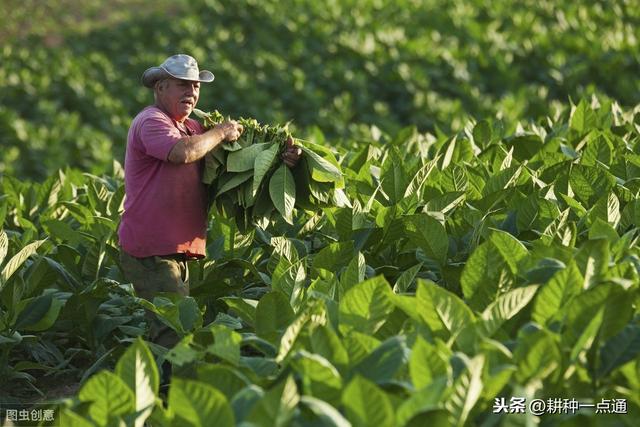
(165, 207)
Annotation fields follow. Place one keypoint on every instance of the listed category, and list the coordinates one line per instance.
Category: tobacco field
(463, 227)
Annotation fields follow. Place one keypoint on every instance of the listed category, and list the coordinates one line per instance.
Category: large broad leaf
(137, 369)
(4, 245)
(282, 190)
(17, 260)
(442, 310)
(427, 233)
(325, 342)
(511, 249)
(428, 362)
(365, 307)
(367, 405)
(39, 315)
(618, 311)
(353, 274)
(263, 162)
(226, 344)
(583, 118)
(465, 391)
(556, 294)
(325, 414)
(245, 400)
(109, 397)
(334, 256)
(228, 380)
(199, 404)
(481, 276)
(277, 406)
(245, 159)
(233, 180)
(619, 349)
(319, 377)
(245, 308)
(505, 307)
(321, 169)
(382, 364)
(589, 183)
(537, 356)
(394, 177)
(273, 316)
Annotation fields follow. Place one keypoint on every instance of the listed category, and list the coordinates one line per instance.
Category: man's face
(178, 97)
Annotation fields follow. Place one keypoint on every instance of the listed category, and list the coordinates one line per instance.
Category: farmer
(164, 223)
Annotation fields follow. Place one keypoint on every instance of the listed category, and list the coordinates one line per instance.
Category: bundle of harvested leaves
(248, 179)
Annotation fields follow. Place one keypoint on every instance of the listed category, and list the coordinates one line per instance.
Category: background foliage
(69, 85)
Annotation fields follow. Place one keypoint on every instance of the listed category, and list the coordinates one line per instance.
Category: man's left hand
(291, 154)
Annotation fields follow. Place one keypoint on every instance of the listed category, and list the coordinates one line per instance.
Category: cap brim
(152, 75)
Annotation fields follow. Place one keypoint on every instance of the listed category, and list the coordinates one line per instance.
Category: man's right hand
(230, 130)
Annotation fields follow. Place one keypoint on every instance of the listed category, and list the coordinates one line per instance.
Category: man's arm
(193, 148)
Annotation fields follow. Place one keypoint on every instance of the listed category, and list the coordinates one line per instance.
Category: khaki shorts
(155, 274)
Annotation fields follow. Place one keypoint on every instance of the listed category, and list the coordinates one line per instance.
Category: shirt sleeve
(158, 137)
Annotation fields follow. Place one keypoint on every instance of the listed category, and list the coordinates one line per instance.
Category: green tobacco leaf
(226, 344)
(4, 245)
(406, 279)
(228, 380)
(465, 391)
(137, 369)
(326, 414)
(69, 418)
(353, 274)
(619, 349)
(33, 310)
(382, 364)
(273, 316)
(589, 183)
(326, 343)
(480, 277)
(394, 177)
(556, 294)
(245, 308)
(319, 377)
(365, 307)
(321, 169)
(582, 118)
(359, 345)
(244, 400)
(199, 403)
(277, 406)
(282, 190)
(263, 162)
(366, 404)
(505, 307)
(233, 181)
(511, 249)
(109, 397)
(537, 356)
(439, 307)
(17, 260)
(46, 321)
(482, 133)
(245, 159)
(428, 362)
(427, 233)
(334, 256)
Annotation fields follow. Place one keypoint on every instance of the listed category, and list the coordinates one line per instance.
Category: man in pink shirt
(165, 210)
